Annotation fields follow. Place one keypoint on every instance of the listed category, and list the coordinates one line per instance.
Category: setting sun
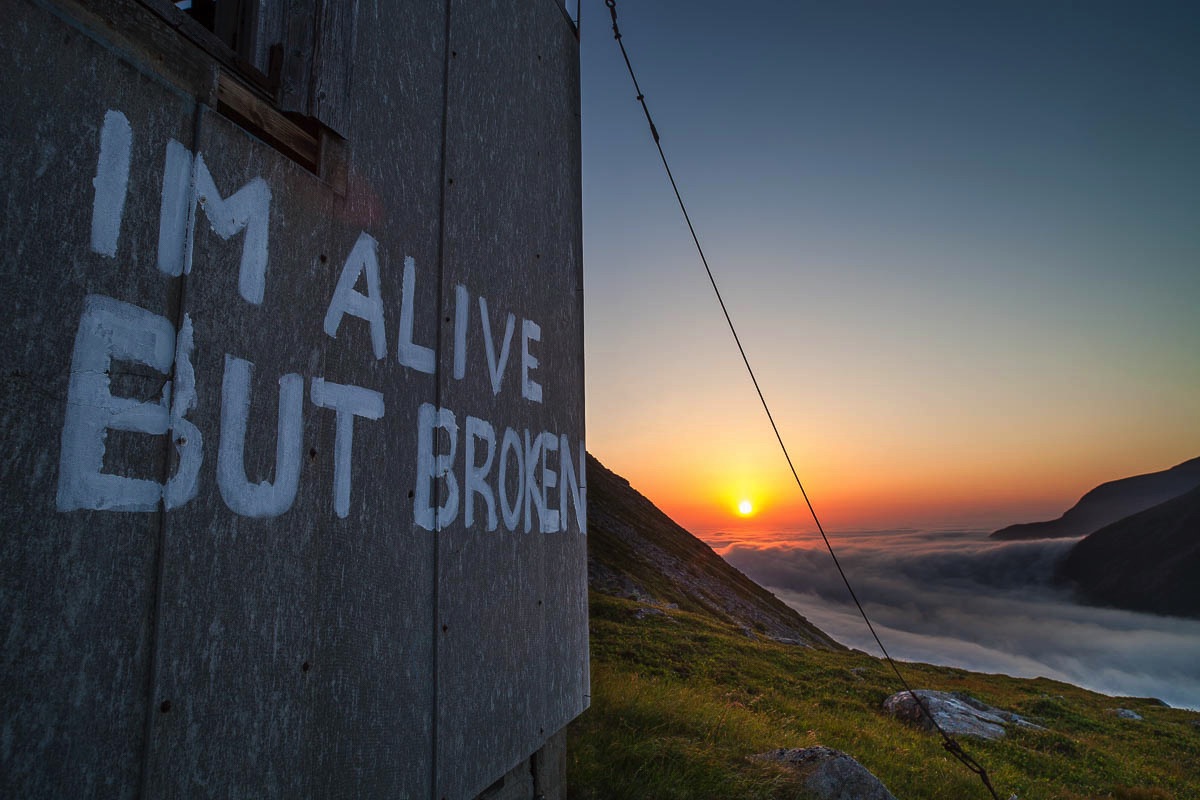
(745, 508)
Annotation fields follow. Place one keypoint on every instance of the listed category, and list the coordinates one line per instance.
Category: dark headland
(1110, 502)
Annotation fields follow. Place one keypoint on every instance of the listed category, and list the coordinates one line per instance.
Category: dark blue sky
(963, 244)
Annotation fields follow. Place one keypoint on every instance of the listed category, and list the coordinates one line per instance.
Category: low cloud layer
(958, 599)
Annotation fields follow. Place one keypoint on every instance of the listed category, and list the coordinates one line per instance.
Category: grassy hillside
(637, 551)
(695, 668)
(680, 700)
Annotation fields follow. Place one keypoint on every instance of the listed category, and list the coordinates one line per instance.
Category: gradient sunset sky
(961, 245)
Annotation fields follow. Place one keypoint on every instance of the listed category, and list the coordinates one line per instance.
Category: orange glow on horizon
(703, 492)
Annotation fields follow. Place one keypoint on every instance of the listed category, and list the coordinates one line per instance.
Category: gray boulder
(830, 774)
(957, 714)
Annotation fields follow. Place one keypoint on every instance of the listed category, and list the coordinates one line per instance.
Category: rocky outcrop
(829, 774)
(637, 552)
(1147, 562)
(957, 714)
(1110, 502)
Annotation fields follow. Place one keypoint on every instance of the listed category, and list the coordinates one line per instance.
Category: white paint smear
(431, 467)
(462, 308)
(475, 482)
(412, 355)
(111, 183)
(570, 484)
(511, 443)
(363, 259)
(530, 389)
(495, 362)
(265, 499)
(110, 330)
(187, 183)
(175, 206)
(546, 515)
(349, 402)
(186, 437)
(533, 495)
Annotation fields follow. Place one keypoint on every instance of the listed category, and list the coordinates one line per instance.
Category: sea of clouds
(959, 599)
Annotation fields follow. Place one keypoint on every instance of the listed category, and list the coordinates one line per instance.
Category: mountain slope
(1110, 502)
(681, 703)
(682, 699)
(1149, 561)
(636, 551)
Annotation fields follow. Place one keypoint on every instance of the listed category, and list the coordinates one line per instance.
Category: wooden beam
(263, 119)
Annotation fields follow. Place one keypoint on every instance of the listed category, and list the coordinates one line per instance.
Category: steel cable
(948, 742)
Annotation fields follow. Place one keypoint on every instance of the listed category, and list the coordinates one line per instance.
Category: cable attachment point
(612, 9)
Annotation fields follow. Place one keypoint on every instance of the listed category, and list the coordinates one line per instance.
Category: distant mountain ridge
(1149, 561)
(635, 551)
(1110, 502)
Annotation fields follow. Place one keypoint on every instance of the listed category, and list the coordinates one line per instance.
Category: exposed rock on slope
(829, 774)
(957, 714)
(1146, 562)
(635, 550)
(1110, 502)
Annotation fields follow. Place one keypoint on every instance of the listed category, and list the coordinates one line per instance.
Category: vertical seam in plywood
(160, 558)
(581, 311)
(435, 778)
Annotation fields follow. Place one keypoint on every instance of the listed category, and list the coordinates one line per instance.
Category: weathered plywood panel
(333, 65)
(512, 653)
(228, 558)
(300, 640)
(77, 585)
(241, 596)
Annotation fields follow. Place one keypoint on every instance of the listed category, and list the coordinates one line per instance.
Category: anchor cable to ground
(948, 742)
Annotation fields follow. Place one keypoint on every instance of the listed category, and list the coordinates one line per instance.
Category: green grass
(680, 702)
